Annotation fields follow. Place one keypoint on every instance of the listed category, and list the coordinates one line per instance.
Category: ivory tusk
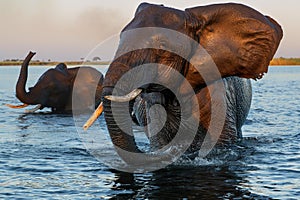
(126, 97)
(94, 116)
(33, 109)
(17, 106)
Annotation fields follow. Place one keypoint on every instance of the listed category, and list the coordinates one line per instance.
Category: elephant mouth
(152, 94)
(97, 113)
(125, 98)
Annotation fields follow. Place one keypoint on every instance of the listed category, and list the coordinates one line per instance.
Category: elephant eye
(162, 44)
(159, 41)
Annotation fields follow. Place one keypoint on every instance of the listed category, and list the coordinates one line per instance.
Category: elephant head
(240, 40)
(54, 88)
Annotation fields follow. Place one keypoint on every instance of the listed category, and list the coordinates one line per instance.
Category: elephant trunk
(119, 125)
(126, 84)
(21, 93)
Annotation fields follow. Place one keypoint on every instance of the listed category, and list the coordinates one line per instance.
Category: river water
(42, 156)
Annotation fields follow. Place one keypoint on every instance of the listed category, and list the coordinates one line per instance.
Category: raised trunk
(21, 93)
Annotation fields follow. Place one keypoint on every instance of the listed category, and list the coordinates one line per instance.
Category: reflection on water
(175, 182)
(42, 155)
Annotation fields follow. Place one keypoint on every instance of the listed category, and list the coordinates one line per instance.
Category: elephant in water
(174, 69)
(56, 87)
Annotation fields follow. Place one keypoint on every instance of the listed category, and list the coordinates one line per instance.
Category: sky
(61, 30)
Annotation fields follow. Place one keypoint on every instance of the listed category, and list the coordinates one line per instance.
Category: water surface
(42, 155)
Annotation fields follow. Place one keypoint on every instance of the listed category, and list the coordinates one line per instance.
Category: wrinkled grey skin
(240, 40)
(237, 100)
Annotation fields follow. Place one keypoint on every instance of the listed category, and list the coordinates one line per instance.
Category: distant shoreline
(274, 62)
(285, 61)
(51, 63)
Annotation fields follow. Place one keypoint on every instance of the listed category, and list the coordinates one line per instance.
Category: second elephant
(60, 88)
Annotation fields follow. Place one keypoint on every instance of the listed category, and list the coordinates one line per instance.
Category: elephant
(238, 39)
(54, 89)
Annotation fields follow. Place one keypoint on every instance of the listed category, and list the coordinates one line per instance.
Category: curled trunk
(21, 93)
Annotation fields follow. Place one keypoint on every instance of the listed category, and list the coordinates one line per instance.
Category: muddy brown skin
(54, 87)
(240, 40)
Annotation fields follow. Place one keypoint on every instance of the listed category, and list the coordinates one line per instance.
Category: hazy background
(70, 29)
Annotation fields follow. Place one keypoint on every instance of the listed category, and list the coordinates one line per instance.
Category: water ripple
(42, 156)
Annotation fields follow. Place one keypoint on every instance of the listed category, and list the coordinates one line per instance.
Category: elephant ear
(62, 67)
(240, 40)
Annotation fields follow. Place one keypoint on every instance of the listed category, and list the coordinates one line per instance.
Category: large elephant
(55, 88)
(241, 42)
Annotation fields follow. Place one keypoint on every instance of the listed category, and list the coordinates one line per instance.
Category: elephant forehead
(155, 38)
(158, 16)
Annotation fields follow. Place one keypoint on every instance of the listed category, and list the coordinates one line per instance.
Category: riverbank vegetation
(51, 63)
(285, 61)
(275, 61)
